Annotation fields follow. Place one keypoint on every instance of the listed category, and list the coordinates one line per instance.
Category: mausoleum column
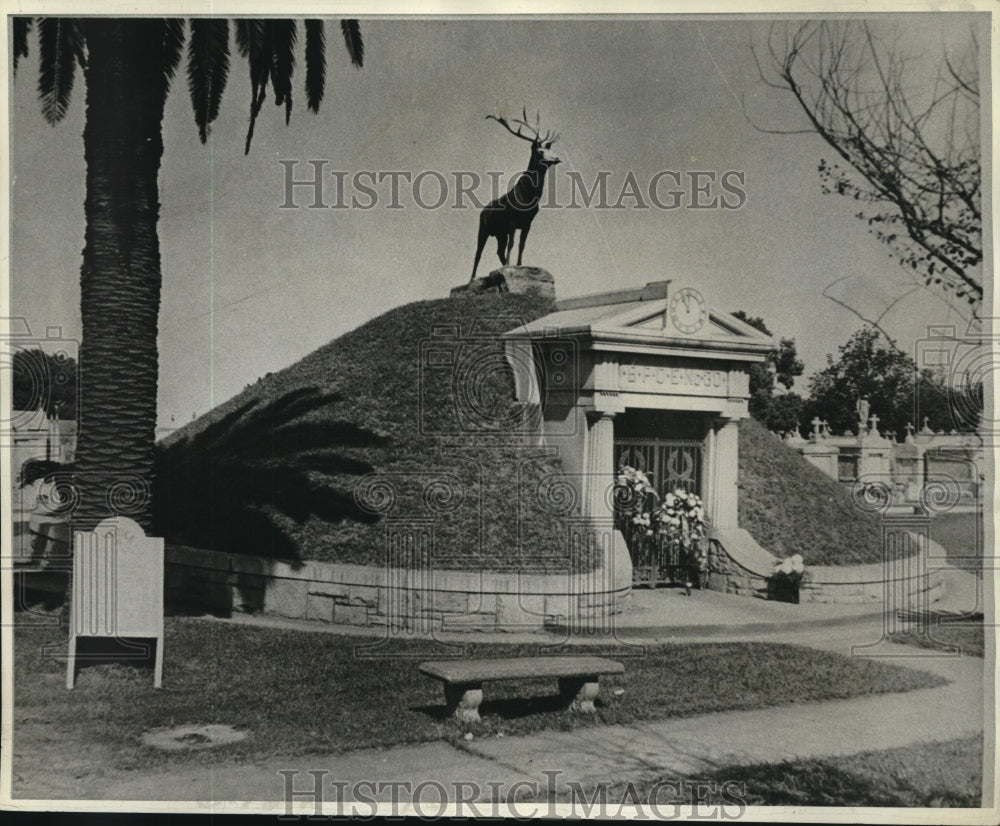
(599, 470)
(708, 493)
(725, 467)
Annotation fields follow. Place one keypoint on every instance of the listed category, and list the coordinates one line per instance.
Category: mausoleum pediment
(658, 347)
(656, 317)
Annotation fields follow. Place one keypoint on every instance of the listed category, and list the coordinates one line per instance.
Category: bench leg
(579, 693)
(463, 701)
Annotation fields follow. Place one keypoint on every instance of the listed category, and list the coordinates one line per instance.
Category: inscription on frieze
(698, 381)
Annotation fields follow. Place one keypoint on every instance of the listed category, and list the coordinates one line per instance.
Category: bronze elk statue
(517, 209)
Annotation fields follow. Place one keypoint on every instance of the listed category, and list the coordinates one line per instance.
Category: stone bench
(463, 679)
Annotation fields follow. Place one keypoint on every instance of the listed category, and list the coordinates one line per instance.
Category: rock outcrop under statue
(525, 280)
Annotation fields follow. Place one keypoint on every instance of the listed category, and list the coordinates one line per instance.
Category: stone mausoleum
(650, 377)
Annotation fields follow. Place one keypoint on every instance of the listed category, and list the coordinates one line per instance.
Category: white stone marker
(117, 588)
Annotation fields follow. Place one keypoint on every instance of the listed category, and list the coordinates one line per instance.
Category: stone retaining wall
(420, 601)
(738, 565)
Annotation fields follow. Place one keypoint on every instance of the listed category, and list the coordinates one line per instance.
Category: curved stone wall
(418, 600)
(738, 565)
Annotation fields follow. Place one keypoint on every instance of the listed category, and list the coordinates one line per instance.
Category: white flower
(680, 493)
(786, 566)
(699, 513)
(669, 500)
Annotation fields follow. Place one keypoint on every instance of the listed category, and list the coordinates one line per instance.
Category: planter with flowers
(789, 573)
(665, 537)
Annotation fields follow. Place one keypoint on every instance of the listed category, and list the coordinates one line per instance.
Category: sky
(250, 287)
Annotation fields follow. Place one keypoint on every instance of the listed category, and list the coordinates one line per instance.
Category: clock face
(688, 310)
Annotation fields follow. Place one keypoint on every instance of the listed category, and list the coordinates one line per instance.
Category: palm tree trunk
(120, 277)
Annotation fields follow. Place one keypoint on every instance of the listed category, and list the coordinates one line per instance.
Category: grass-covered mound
(791, 507)
(421, 396)
(410, 421)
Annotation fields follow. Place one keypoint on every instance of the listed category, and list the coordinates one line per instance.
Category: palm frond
(283, 37)
(315, 63)
(173, 44)
(208, 70)
(262, 467)
(60, 47)
(269, 46)
(242, 37)
(77, 43)
(22, 28)
(352, 39)
(253, 41)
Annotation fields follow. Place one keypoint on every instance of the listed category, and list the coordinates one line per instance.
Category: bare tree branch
(906, 141)
(874, 322)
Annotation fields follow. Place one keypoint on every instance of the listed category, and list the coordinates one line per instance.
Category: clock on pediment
(687, 311)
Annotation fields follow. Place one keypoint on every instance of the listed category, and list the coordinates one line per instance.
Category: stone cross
(815, 423)
(909, 429)
(873, 422)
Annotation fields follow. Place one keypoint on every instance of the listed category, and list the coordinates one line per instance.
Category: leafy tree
(781, 412)
(128, 64)
(897, 392)
(784, 412)
(44, 380)
(907, 145)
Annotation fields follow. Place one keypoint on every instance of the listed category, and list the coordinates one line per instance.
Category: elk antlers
(549, 138)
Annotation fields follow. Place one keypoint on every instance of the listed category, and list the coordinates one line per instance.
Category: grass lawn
(970, 639)
(961, 535)
(928, 775)
(302, 692)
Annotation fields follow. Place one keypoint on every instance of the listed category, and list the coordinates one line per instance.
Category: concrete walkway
(497, 768)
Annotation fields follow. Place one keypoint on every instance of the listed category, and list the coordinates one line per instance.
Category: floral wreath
(679, 517)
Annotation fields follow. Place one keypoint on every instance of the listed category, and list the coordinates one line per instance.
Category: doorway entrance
(670, 449)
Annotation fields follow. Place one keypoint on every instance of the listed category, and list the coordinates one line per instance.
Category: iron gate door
(670, 464)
